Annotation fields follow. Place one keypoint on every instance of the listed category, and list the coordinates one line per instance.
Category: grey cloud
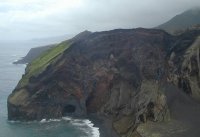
(97, 15)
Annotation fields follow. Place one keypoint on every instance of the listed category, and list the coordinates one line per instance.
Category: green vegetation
(40, 63)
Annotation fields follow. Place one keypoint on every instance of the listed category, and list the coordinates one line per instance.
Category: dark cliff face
(117, 74)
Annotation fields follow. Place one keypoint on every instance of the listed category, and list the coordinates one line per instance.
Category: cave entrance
(150, 111)
(142, 118)
(68, 109)
(184, 84)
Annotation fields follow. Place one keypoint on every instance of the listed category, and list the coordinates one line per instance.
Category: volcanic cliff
(124, 77)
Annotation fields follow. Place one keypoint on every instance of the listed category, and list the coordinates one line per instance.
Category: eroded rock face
(118, 74)
(184, 67)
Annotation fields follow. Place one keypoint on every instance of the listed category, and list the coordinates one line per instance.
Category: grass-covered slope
(40, 63)
(33, 54)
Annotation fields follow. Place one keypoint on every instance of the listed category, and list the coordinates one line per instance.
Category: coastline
(104, 124)
(85, 124)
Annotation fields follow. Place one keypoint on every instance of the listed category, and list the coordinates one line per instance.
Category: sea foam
(85, 125)
(49, 120)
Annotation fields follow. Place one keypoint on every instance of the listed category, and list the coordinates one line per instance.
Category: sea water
(10, 74)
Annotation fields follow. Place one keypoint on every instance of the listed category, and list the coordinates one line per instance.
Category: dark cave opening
(150, 111)
(68, 109)
(142, 118)
(149, 114)
(184, 84)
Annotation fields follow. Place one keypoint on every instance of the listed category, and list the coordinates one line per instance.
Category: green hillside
(40, 63)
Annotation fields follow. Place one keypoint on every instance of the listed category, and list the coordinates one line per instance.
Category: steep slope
(119, 76)
(33, 54)
(182, 21)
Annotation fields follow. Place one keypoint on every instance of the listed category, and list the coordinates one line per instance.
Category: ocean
(10, 74)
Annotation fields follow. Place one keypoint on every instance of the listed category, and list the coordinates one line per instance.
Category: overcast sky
(27, 19)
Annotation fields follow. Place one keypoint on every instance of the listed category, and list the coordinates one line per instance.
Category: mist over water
(10, 74)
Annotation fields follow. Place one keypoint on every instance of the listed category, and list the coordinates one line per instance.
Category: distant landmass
(182, 21)
(33, 53)
(54, 39)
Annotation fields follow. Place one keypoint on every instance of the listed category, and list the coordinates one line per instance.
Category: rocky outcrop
(117, 75)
